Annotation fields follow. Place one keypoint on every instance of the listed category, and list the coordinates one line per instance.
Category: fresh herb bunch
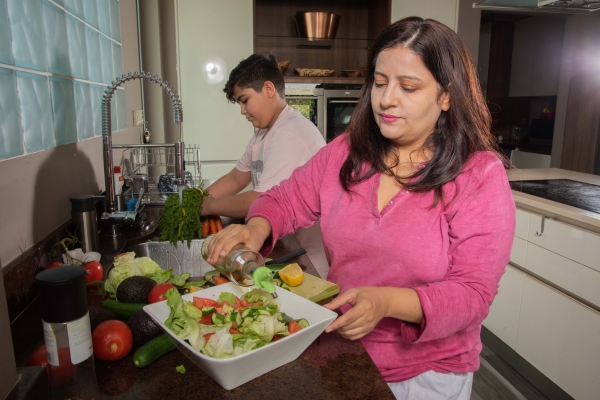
(181, 222)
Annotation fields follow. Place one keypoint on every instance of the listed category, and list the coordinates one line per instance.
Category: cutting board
(315, 289)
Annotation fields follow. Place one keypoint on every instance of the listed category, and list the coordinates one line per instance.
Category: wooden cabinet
(560, 337)
(360, 22)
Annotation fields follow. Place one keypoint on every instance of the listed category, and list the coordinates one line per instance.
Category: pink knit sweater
(452, 255)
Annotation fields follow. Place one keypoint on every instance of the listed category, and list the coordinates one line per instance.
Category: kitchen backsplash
(56, 59)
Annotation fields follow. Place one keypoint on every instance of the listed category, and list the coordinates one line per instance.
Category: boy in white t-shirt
(283, 140)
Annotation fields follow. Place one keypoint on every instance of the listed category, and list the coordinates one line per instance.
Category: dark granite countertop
(331, 367)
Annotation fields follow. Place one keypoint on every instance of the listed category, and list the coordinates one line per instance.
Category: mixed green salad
(230, 326)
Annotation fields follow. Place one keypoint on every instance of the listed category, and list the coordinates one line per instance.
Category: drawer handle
(542, 230)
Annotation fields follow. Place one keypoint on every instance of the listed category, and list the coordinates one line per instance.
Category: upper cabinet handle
(542, 228)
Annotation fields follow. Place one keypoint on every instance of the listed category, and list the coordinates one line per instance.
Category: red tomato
(55, 264)
(200, 302)
(237, 304)
(156, 294)
(219, 280)
(257, 304)
(276, 338)
(234, 331)
(112, 340)
(293, 327)
(244, 303)
(206, 319)
(57, 375)
(208, 335)
(94, 271)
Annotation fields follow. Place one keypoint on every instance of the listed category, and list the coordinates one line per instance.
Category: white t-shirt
(271, 157)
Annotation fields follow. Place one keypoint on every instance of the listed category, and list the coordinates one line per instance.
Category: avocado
(99, 315)
(135, 289)
(143, 328)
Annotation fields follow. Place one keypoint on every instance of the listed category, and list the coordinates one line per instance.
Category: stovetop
(566, 191)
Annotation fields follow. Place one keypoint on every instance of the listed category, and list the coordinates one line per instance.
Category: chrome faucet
(108, 147)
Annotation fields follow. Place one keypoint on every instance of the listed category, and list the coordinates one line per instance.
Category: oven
(339, 104)
(308, 100)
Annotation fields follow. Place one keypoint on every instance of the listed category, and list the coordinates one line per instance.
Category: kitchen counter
(331, 367)
(561, 212)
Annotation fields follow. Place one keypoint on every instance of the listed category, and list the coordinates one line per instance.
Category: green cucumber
(123, 310)
(153, 350)
(302, 322)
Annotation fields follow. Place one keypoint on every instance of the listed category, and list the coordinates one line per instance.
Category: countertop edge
(576, 216)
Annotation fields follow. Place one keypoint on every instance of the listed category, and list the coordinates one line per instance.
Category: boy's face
(257, 107)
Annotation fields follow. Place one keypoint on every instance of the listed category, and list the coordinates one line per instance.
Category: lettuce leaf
(256, 295)
(219, 345)
(265, 327)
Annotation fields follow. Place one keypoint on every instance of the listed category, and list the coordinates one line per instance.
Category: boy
(283, 140)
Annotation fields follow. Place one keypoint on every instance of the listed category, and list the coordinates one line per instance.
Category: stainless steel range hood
(564, 7)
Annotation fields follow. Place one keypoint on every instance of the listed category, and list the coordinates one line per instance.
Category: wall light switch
(138, 117)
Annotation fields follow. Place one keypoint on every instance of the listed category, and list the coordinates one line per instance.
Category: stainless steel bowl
(317, 25)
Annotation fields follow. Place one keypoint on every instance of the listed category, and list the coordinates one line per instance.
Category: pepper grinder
(67, 333)
(83, 213)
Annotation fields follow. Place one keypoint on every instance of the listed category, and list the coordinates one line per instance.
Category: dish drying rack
(142, 159)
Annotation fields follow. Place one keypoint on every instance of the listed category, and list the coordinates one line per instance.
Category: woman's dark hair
(253, 72)
(459, 132)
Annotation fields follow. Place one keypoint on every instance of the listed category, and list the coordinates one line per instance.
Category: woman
(416, 213)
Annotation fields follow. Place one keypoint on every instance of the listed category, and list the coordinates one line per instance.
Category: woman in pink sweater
(416, 213)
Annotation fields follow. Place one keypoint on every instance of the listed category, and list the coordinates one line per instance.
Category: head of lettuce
(126, 265)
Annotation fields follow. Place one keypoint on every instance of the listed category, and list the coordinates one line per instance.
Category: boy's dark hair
(253, 72)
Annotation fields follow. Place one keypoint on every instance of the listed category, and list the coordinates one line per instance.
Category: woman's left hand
(369, 306)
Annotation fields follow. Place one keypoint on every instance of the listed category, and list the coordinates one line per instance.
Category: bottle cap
(83, 203)
(62, 293)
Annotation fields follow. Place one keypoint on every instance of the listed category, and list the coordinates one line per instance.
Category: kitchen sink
(180, 259)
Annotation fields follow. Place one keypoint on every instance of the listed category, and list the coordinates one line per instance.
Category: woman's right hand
(252, 235)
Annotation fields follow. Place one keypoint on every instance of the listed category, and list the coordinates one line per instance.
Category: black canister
(67, 333)
(84, 219)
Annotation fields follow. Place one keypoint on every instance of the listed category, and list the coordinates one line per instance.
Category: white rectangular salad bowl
(235, 371)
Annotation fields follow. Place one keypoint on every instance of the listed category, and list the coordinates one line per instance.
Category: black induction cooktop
(566, 191)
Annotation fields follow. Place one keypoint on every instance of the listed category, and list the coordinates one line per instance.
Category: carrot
(213, 224)
(219, 223)
(219, 280)
(205, 227)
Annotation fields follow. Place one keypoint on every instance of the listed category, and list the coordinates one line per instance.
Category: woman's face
(405, 98)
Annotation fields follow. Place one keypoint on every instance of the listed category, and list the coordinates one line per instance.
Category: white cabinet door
(577, 244)
(503, 319)
(561, 338)
(567, 274)
(518, 251)
(522, 226)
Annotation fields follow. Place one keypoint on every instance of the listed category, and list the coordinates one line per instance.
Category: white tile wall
(56, 57)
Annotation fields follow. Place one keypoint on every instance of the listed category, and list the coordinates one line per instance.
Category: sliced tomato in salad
(206, 319)
(277, 337)
(200, 302)
(294, 327)
(208, 335)
(238, 303)
(234, 331)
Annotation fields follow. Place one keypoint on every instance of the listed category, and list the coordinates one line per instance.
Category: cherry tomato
(112, 340)
(57, 375)
(94, 271)
(293, 327)
(156, 294)
(55, 264)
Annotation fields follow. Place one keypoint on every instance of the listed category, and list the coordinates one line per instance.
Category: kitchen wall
(459, 15)
(580, 57)
(51, 146)
(213, 37)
